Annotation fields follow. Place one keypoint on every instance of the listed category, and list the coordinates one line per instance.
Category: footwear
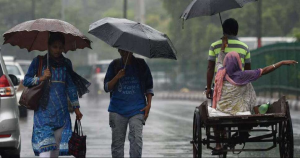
(241, 136)
(217, 152)
(244, 136)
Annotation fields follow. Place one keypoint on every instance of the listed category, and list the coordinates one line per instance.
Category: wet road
(167, 133)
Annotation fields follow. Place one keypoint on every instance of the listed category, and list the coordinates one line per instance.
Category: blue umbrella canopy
(134, 37)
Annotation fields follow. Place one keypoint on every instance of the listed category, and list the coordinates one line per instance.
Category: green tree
(279, 18)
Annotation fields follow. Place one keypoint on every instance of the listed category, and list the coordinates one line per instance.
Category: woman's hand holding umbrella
(224, 42)
(46, 76)
(121, 74)
(114, 81)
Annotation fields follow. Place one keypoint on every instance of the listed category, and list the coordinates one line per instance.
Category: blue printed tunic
(56, 115)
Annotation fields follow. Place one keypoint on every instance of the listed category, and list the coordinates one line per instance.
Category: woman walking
(52, 124)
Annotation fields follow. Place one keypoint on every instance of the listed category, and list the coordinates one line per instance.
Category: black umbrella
(134, 37)
(211, 7)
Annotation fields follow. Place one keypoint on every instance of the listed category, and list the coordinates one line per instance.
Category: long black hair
(56, 36)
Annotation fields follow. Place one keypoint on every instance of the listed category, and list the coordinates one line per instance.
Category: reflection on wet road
(167, 133)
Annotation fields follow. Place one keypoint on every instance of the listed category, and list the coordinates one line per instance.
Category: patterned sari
(233, 89)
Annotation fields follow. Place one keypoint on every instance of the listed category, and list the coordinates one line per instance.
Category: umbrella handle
(126, 61)
(48, 65)
(220, 18)
(48, 60)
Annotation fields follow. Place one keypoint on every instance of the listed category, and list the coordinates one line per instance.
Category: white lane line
(179, 102)
(175, 117)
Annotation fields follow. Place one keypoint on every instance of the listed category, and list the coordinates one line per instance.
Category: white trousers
(54, 153)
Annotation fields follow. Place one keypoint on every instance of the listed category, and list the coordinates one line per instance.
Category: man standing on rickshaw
(230, 29)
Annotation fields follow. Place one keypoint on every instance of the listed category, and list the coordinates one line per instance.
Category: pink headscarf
(232, 71)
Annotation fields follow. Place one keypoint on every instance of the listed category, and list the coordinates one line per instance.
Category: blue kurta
(56, 115)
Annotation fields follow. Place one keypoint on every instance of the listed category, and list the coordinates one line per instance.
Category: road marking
(190, 120)
(180, 102)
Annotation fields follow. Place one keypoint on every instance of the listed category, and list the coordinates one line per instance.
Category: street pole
(32, 9)
(62, 9)
(125, 9)
(85, 7)
(137, 13)
(259, 23)
(142, 11)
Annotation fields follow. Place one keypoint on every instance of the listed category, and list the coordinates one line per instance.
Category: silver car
(14, 67)
(24, 65)
(10, 139)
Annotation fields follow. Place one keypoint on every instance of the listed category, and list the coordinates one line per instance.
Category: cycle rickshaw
(276, 126)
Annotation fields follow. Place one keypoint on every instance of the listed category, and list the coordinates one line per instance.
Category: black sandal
(241, 136)
(217, 152)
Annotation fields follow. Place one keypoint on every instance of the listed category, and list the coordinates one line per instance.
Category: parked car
(161, 81)
(10, 139)
(24, 65)
(13, 67)
(85, 71)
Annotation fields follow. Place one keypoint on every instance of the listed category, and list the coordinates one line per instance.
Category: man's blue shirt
(128, 95)
(128, 98)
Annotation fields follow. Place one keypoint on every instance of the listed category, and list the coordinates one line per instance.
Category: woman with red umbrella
(52, 124)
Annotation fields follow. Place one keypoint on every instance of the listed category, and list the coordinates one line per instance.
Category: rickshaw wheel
(197, 137)
(286, 146)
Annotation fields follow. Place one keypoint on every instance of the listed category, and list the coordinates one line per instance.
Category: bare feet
(218, 146)
(217, 150)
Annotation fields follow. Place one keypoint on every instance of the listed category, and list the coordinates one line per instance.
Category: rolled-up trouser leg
(118, 126)
(135, 135)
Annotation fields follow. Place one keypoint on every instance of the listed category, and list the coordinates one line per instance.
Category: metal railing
(285, 80)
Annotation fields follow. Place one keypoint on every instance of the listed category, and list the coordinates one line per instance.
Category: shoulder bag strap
(40, 66)
(76, 127)
(80, 131)
(117, 67)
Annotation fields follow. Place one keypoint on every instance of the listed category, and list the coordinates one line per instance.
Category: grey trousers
(118, 126)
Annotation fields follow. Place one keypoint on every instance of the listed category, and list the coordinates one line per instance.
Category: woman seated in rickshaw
(233, 92)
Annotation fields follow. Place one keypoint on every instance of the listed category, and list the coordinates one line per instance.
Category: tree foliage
(279, 18)
(80, 13)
